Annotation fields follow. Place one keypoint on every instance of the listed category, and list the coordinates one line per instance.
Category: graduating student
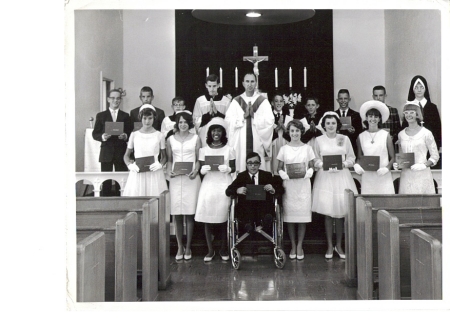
(393, 121)
(344, 111)
(146, 97)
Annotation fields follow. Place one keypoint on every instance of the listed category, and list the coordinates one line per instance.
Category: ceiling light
(253, 14)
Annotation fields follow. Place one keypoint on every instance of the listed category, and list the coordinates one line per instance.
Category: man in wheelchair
(252, 209)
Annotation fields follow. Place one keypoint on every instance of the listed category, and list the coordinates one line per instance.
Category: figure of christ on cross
(255, 61)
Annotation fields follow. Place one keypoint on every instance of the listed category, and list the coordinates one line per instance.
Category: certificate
(404, 160)
(144, 163)
(346, 123)
(255, 192)
(369, 163)
(214, 161)
(332, 161)
(296, 170)
(114, 128)
(180, 168)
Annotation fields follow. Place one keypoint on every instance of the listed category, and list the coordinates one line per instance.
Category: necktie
(114, 115)
(253, 179)
(343, 113)
(249, 132)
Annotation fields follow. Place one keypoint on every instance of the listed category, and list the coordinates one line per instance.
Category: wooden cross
(255, 59)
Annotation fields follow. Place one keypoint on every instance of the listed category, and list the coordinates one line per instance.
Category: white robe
(201, 107)
(262, 130)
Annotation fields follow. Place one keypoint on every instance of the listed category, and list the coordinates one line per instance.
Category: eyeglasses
(115, 98)
(254, 163)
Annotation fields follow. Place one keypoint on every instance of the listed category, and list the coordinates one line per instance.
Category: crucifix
(255, 59)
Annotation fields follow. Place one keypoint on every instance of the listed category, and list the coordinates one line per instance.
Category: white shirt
(256, 177)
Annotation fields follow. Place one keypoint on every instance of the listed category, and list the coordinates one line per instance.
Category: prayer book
(114, 128)
(180, 168)
(346, 123)
(255, 192)
(370, 163)
(296, 170)
(214, 161)
(404, 160)
(332, 161)
(144, 163)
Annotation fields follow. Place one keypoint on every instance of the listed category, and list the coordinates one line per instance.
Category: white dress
(146, 183)
(418, 182)
(183, 191)
(297, 195)
(328, 195)
(213, 203)
(371, 182)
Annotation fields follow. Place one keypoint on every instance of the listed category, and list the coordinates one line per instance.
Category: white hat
(377, 105)
(147, 106)
(413, 105)
(319, 125)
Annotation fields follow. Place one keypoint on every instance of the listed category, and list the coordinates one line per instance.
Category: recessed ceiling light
(253, 14)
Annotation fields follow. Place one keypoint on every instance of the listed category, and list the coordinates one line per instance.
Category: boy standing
(147, 97)
(393, 123)
(355, 129)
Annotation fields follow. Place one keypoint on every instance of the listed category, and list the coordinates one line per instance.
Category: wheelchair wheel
(235, 258)
(280, 258)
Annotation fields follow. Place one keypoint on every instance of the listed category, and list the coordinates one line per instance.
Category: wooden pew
(394, 250)
(426, 266)
(150, 250)
(377, 201)
(91, 268)
(367, 240)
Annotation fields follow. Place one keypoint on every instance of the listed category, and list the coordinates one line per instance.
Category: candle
(290, 77)
(255, 51)
(276, 77)
(304, 77)
(221, 82)
(207, 72)
(236, 77)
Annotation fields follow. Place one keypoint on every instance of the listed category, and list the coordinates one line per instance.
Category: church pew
(149, 250)
(366, 239)
(426, 266)
(126, 204)
(377, 200)
(91, 268)
(394, 250)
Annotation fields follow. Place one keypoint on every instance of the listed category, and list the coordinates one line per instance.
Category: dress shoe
(187, 257)
(224, 255)
(329, 256)
(300, 257)
(292, 254)
(180, 257)
(209, 258)
(342, 256)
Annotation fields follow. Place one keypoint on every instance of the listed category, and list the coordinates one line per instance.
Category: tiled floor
(314, 278)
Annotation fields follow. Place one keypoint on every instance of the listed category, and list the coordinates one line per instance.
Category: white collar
(256, 174)
(423, 101)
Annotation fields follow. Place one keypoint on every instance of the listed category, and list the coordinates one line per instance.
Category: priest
(251, 122)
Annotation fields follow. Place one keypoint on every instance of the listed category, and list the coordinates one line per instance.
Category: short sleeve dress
(297, 194)
(371, 182)
(183, 191)
(213, 203)
(146, 183)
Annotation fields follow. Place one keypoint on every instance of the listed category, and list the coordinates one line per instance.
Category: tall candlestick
(276, 77)
(290, 77)
(304, 77)
(236, 77)
(207, 71)
(221, 82)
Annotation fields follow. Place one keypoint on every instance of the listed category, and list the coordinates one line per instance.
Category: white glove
(333, 170)
(345, 164)
(224, 168)
(382, 171)
(308, 173)
(155, 166)
(395, 166)
(205, 169)
(133, 167)
(318, 164)
(358, 169)
(418, 167)
(283, 175)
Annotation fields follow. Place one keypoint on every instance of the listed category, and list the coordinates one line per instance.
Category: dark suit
(249, 211)
(113, 149)
(160, 115)
(356, 123)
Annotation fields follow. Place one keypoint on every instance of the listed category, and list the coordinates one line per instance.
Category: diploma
(236, 77)
(276, 78)
(114, 128)
(181, 168)
(404, 160)
(369, 163)
(214, 161)
(304, 77)
(296, 170)
(290, 77)
(255, 192)
(332, 161)
(144, 163)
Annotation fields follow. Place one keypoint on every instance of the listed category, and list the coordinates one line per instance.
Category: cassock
(261, 129)
(202, 103)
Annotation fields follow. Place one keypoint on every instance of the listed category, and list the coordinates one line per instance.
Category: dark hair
(209, 138)
(379, 88)
(277, 94)
(376, 113)
(114, 90)
(146, 112)
(328, 116)
(251, 155)
(178, 99)
(411, 95)
(249, 73)
(312, 98)
(186, 116)
(297, 124)
(146, 89)
(212, 78)
(344, 91)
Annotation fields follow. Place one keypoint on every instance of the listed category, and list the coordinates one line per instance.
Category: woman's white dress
(213, 203)
(183, 191)
(145, 183)
(418, 182)
(328, 196)
(276, 146)
(297, 195)
(371, 182)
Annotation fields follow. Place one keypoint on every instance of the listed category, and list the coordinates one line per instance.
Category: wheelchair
(277, 230)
